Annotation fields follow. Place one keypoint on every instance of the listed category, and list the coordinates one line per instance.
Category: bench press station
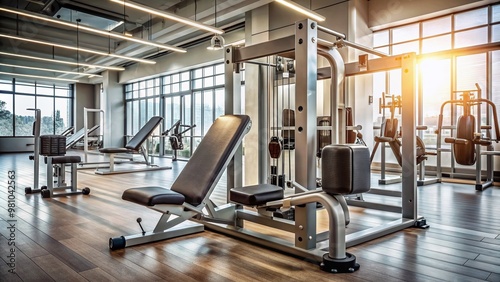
(189, 197)
(134, 146)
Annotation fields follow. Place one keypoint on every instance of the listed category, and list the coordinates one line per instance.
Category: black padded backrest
(465, 154)
(143, 134)
(345, 169)
(208, 162)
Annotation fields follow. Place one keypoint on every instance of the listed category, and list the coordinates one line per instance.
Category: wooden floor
(66, 238)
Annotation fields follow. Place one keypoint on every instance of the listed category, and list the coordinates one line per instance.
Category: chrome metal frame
(305, 46)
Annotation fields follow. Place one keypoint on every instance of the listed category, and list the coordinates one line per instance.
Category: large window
(456, 54)
(194, 97)
(55, 104)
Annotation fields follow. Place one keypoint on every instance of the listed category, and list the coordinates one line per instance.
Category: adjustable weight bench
(190, 192)
(75, 138)
(134, 146)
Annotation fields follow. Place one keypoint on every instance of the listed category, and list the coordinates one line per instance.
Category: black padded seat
(256, 195)
(114, 150)
(65, 160)
(150, 196)
(203, 170)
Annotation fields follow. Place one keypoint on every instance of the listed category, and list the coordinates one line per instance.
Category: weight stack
(345, 169)
(52, 145)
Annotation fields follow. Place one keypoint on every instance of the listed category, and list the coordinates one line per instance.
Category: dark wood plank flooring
(66, 238)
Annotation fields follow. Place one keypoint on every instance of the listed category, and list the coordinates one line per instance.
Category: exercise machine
(174, 134)
(136, 145)
(392, 135)
(306, 45)
(388, 135)
(189, 197)
(471, 134)
(53, 148)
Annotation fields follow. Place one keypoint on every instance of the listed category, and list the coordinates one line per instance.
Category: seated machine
(468, 140)
(134, 146)
(390, 134)
(175, 137)
(53, 147)
(188, 199)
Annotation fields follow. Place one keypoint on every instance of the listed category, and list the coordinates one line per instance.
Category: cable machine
(471, 135)
(305, 46)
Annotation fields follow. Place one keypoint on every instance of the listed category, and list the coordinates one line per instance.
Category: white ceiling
(103, 14)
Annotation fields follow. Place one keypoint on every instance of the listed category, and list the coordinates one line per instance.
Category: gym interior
(260, 140)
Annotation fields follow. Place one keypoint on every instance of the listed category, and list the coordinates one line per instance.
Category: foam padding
(150, 196)
(345, 169)
(256, 195)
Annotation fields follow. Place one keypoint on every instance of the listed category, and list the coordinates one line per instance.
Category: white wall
(84, 98)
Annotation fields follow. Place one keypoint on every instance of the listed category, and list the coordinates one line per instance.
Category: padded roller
(465, 152)
(345, 169)
(65, 160)
(115, 150)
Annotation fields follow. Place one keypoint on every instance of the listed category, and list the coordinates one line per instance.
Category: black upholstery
(203, 168)
(210, 157)
(136, 142)
(256, 195)
(115, 150)
(150, 196)
(65, 160)
(465, 152)
(345, 169)
(141, 136)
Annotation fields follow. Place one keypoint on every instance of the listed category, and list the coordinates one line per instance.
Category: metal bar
(36, 149)
(342, 40)
(409, 169)
(285, 44)
(363, 48)
(285, 225)
(332, 32)
(305, 121)
(374, 206)
(336, 91)
(267, 241)
(233, 106)
(377, 232)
